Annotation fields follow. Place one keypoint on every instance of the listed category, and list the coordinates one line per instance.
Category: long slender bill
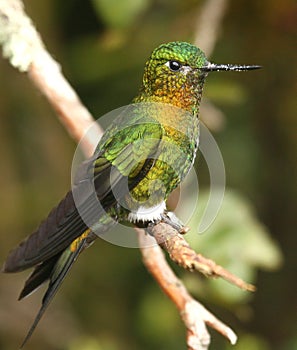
(211, 67)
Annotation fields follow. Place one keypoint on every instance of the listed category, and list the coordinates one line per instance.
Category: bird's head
(176, 72)
(172, 67)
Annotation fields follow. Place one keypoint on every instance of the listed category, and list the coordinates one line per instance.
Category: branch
(209, 24)
(25, 50)
(208, 27)
(181, 253)
(194, 314)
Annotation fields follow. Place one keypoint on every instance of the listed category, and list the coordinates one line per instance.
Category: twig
(181, 253)
(194, 315)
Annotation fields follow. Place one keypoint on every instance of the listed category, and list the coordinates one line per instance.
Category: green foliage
(119, 14)
(158, 319)
(227, 92)
(236, 240)
(90, 343)
(249, 342)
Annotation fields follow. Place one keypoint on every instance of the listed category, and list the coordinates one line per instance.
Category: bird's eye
(174, 65)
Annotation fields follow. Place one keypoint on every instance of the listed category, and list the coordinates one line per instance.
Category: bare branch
(181, 253)
(194, 314)
(208, 27)
(209, 24)
(25, 50)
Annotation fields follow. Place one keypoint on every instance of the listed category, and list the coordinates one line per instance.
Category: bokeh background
(109, 301)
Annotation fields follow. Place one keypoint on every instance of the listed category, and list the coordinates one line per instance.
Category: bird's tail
(54, 269)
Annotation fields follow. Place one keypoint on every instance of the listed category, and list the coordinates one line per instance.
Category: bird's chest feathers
(174, 158)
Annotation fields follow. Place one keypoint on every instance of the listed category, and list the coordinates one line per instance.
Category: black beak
(211, 67)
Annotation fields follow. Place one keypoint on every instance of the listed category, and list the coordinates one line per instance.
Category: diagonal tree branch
(208, 24)
(193, 313)
(25, 50)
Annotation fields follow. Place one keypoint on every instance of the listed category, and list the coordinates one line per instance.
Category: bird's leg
(171, 219)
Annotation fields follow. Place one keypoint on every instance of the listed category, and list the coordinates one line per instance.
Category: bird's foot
(171, 219)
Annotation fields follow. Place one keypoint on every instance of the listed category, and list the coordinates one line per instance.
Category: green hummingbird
(141, 158)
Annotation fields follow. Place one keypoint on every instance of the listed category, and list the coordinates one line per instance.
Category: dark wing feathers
(64, 223)
(51, 247)
(54, 234)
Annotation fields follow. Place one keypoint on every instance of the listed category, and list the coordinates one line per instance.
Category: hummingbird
(141, 158)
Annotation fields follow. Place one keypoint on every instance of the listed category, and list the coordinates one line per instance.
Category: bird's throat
(186, 95)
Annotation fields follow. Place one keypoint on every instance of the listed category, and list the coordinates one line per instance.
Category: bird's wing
(121, 159)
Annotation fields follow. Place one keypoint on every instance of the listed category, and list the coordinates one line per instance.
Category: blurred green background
(110, 302)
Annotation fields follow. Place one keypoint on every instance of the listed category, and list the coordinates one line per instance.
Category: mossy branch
(23, 47)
